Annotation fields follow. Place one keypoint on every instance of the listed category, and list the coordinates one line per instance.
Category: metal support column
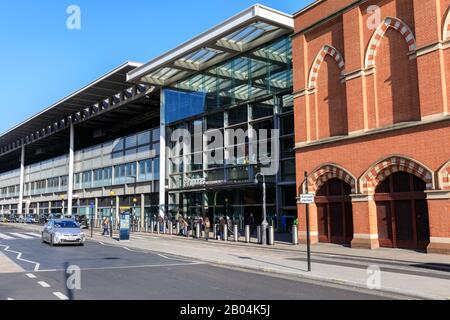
(21, 179)
(70, 179)
(162, 157)
(143, 222)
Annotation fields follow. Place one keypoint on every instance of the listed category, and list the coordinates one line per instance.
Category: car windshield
(66, 224)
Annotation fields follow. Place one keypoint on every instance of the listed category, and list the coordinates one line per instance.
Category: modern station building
(357, 89)
(371, 89)
(107, 147)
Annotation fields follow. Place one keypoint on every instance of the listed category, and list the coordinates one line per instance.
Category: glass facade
(249, 92)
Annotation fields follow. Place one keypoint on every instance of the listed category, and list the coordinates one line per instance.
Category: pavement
(385, 271)
(107, 271)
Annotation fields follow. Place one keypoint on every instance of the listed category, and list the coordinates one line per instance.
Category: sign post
(307, 199)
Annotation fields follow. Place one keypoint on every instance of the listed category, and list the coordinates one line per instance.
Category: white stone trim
(440, 240)
(365, 236)
(312, 233)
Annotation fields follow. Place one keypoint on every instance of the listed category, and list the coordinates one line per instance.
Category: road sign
(307, 198)
(92, 205)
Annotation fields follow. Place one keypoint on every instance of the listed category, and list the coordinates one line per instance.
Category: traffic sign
(308, 198)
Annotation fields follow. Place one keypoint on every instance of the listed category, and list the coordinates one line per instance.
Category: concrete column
(162, 158)
(70, 180)
(117, 208)
(95, 209)
(21, 180)
(142, 212)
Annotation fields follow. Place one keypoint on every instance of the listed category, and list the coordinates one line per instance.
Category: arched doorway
(402, 212)
(334, 212)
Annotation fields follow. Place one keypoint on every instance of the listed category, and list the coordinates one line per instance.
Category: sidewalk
(403, 272)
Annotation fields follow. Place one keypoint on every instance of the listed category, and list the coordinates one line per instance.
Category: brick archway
(326, 50)
(396, 24)
(446, 35)
(444, 177)
(324, 173)
(383, 169)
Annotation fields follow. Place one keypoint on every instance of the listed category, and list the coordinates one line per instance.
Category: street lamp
(112, 194)
(264, 224)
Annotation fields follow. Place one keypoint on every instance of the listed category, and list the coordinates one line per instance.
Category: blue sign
(124, 226)
(92, 205)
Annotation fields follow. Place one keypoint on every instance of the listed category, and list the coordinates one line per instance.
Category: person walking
(206, 226)
(105, 225)
(251, 223)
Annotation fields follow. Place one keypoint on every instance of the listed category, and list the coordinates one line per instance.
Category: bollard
(225, 233)
(186, 232)
(152, 226)
(294, 235)
(215, 231)
(197, 230)
(271, 236)
(247, 234)
(146, 226)
(258, 231)
(164, 228)
(158, 227)
(236, 233)
(170, 226)
(178, 228)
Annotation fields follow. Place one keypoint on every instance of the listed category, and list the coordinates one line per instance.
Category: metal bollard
(178, 228)
(186, 232)
(247, 234)
(225, 233)
(294, 235)
(197, 230)
(146, 226)
(258, 231)
(158, 227)
(170, 226)
(152, 226)
(215, 231)
(236, 233)
(164, 228)
(271, 236)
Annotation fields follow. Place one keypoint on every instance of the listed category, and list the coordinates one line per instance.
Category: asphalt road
(116, 273)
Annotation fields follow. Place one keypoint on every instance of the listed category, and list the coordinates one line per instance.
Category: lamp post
(264, 224)
(112, 194)
(134, 200)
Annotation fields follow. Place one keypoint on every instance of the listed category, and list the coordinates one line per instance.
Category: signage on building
(188, 182)
(307, 198)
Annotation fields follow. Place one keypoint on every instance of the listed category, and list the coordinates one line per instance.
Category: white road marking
(61, 296)
(20, 235)
(37, 235)
(10, 299)
(19, 257)
(5, 237)
(44, 284)
(135, 267)
(31, 276)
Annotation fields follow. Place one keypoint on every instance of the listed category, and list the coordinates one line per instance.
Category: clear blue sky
(43, 61)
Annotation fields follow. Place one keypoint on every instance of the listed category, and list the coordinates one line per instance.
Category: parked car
(63, 231)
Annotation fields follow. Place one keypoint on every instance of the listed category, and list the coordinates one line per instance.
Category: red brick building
(372, 87)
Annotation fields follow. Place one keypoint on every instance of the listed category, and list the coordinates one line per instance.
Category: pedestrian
(251, 222)
(222, 226)
(206, 226)
(105, 225)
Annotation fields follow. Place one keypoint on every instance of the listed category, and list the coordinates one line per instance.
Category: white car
(63, 231)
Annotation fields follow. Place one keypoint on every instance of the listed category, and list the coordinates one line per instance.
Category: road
(117, 273)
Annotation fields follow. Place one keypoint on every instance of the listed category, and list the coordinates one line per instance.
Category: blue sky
(43, 61)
